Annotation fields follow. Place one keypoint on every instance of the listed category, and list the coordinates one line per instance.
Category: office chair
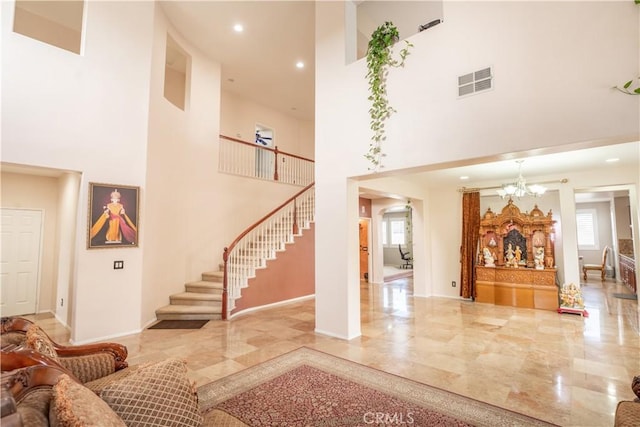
(406, 257)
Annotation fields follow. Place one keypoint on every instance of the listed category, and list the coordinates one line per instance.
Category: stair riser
(187, 301)
(212, 278)
(201, 290)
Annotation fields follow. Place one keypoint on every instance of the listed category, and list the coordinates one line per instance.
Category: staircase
(203, 300)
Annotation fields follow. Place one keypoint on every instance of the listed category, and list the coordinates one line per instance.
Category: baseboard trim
(275, 304)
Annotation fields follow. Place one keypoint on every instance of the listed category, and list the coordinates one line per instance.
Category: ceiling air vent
(475, 82)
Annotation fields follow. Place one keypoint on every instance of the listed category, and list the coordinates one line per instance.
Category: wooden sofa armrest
(117, 351)
(20, 381)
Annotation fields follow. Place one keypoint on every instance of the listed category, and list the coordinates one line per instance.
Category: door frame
(40, 251)
(369, 248)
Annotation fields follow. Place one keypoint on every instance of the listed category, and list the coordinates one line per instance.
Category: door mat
(626, 296)
(179, 324)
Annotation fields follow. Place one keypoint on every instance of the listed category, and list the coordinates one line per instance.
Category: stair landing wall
(291, 275)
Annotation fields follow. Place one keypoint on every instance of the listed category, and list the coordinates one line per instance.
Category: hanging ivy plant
(379, 60)
(627, 88)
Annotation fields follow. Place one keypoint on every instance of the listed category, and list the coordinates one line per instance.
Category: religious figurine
(518, 255)
(571, 296)
(488, 257)
(539, 258)
(549, 261)
(510, 255)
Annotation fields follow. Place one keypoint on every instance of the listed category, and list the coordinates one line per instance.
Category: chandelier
(519, 188)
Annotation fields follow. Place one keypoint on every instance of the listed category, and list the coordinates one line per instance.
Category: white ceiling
(259, 64)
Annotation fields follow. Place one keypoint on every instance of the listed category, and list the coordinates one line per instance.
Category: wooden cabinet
(517, 287)
(628, 273)
(516, 266)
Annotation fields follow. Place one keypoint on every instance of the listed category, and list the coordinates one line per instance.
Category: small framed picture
(113, 216)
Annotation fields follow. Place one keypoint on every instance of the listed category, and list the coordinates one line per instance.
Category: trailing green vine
(379, 59)
(626, 88)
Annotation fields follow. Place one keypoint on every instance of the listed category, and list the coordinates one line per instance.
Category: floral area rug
(307, 387)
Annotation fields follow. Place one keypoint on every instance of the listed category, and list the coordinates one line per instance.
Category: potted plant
(626, 88)
(379, 60)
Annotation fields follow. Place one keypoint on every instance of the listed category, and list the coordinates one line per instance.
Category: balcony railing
(251, 160)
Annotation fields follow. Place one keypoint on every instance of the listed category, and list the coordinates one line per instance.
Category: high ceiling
(259, 64)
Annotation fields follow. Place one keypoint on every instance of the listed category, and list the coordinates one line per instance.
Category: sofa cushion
(36, 339)
(158, 394)
(74, 405)
(627, 414)
(34, 407)
(635, 385)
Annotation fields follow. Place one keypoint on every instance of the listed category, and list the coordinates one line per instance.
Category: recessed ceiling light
(612, 160)
(238, 28)
(299, 64)
(464, 177)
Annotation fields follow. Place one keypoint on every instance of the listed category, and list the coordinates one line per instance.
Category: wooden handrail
(228, 249)
(275, 150)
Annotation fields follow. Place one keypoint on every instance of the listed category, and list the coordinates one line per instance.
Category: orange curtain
(469, 246)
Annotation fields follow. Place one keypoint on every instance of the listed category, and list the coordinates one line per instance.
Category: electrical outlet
(61, 302)
(118, 265)
(453, 284)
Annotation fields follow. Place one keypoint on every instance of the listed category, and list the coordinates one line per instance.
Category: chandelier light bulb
(519, 188)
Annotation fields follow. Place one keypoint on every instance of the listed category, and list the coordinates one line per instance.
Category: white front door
(20, 260)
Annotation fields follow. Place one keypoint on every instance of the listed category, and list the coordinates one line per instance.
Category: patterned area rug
(310, 388)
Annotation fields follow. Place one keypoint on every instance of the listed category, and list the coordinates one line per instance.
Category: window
(58, 23)
(397, 232)
(587, 225)
(394, 231)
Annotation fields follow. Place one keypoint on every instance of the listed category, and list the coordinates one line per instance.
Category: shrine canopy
(514, 237)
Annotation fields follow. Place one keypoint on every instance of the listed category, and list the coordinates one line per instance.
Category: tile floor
(561, 368)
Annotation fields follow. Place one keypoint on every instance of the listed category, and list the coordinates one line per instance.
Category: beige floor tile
(562, 368)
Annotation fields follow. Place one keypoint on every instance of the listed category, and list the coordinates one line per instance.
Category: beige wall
(43, 29)
(88, 114)
(531, 107)
(239, 116)
(287, 277)
(40, 193)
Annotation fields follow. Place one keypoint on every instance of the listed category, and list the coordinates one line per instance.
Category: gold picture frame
(113, 216)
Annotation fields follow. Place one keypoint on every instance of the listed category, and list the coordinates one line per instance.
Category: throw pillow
(36, 339)
(73, 405)
(635, 385)
(159, 394)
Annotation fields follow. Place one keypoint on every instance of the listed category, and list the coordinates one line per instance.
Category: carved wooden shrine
(516, 259)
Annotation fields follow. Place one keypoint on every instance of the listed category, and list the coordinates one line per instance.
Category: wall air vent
(475, 82)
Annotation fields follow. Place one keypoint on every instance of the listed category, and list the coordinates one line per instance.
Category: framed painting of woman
(113, 216)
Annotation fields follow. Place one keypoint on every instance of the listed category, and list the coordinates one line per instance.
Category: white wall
(552, 88)
(192, 211)
(552, 83)
(103, 113)
(66, 234)
(87, 113)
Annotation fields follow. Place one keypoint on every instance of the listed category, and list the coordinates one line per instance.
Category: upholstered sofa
(46, 384)
(88, 363)
(627, 411)
(158, 394)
